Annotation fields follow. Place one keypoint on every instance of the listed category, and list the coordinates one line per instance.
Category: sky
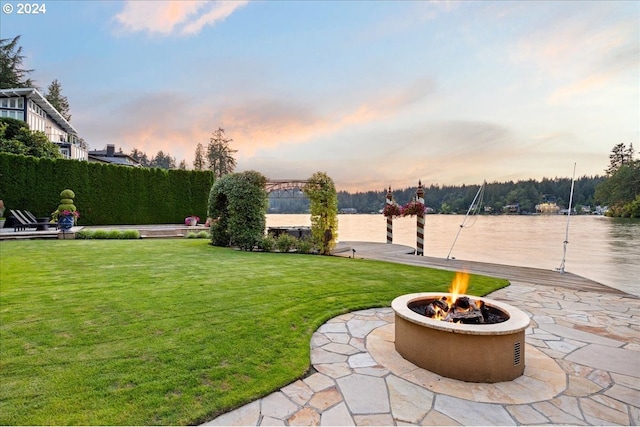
(376, 94)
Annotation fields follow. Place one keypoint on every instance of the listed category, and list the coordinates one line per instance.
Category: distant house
(348, 211)
(109, 155)
(29, 105)
(547, 208)
(512, 209)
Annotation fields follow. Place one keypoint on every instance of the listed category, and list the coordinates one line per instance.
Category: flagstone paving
(582, 368)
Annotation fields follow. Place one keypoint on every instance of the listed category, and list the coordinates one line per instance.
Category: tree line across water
(525, 194)
(618, 189)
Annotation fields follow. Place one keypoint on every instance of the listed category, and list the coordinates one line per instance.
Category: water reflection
(606, 250)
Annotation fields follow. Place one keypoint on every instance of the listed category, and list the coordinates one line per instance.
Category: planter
(2, 221)
(193, 222)
(65, 222)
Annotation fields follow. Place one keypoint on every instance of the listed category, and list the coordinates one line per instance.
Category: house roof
(34, 95)
(117, 158)
(113, 160)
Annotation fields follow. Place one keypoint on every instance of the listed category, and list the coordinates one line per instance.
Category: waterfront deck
(404, 254)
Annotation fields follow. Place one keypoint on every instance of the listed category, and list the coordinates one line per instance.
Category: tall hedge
(105, 194)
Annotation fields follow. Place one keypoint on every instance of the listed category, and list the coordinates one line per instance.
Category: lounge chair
(28, 215)
(42, 222)
(21, 221)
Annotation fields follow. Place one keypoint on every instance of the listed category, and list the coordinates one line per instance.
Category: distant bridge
(286, 188)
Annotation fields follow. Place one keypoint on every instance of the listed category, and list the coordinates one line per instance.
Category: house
(29, 105)
(110, 155)
(512, 209)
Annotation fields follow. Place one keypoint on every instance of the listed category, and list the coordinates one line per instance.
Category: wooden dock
(405, 255)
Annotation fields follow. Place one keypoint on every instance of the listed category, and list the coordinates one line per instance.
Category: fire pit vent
(516, 354)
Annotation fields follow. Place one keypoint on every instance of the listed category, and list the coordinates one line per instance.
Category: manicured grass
(174, 331)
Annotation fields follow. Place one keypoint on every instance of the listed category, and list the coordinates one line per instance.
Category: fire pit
(460, 336)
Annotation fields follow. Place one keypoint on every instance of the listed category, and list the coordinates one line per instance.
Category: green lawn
(171, 331)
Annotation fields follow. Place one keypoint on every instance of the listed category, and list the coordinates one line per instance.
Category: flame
(440, 314)
(458, 285)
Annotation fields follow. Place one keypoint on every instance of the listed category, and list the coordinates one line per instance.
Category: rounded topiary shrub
(66, 201)
(67, 194)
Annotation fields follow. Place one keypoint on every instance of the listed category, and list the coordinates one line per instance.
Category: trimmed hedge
(105, 194)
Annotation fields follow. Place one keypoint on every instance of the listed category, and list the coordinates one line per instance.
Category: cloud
(264, 128)
(184, 17)
(609, 68)
(576, 54)
(436, 151)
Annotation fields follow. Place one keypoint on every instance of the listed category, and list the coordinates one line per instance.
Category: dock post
(420, 221)
(389, 201)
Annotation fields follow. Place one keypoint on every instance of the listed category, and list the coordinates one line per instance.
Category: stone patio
(582, 368)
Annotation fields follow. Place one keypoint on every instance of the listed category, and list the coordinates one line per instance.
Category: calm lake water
(606, 250)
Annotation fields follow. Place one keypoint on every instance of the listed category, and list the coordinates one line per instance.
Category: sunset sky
(375, 93)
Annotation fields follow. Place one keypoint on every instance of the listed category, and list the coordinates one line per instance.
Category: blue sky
(375, 93)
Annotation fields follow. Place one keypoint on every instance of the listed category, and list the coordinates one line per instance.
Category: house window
(12, 103)
(12, 114)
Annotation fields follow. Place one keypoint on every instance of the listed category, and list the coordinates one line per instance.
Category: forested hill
(447, 199)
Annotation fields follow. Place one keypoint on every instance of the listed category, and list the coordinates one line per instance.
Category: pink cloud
(185, 17)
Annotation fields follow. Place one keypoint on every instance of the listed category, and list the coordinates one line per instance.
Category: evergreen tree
(140, 157)
(59, 102)
(198, 162)
(163, 161)
(182, 165)
(17, 138)
(621, 189)
(219, 155)
(12, 75)
(620, 155)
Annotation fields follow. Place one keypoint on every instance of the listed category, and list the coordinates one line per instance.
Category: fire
(457, 306)
(459, 286)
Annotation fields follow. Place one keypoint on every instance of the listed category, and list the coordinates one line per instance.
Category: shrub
(110, 234)
(190, 235)
(130, 234)
(285, 242)
(100, 234)
(84, 234)
(240, 203)
(323, 206)
(203, 234)
(267, 243)
(305, 246)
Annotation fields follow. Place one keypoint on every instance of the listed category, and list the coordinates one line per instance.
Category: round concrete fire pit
(484, 353)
